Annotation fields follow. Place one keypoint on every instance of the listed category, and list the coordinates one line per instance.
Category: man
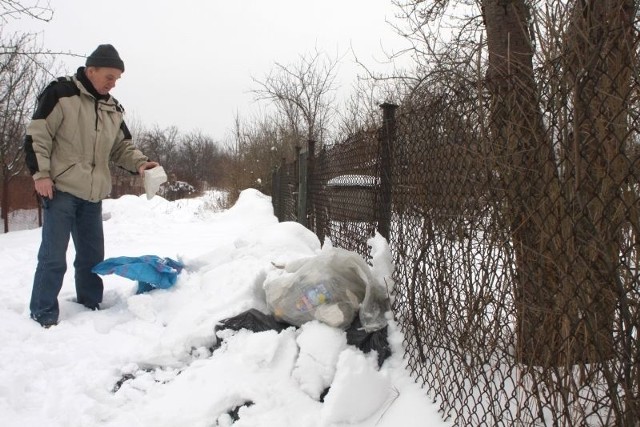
(76, 130)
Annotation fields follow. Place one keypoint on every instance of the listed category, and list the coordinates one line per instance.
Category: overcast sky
(189, 63)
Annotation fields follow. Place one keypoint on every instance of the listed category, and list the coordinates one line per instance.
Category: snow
(147, 360)
(353, 181)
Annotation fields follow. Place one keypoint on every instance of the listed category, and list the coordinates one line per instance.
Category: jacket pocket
(64, 171)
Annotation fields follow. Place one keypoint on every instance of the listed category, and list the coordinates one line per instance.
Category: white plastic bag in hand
(153, 178)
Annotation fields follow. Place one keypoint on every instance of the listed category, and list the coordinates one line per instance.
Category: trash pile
(336, 288)
(332, 287)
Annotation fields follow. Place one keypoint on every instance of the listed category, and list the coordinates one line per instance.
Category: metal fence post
(302, 186)
(275, 192)
(319, 195)
(387, 138)
(311, 187)
(284, 189)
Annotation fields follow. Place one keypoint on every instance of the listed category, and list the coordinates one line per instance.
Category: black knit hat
(105, 55)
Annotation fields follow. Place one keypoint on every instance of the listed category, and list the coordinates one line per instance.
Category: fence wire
(344, 191)
(515, 231)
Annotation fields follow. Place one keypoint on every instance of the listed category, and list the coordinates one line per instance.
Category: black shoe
(90, 306)
(45, 323)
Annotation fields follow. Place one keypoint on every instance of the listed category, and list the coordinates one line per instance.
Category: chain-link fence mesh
(344, 191)
(514, 227)
(285, 192)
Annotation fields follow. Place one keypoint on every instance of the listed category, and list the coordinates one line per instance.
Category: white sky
(189, 63)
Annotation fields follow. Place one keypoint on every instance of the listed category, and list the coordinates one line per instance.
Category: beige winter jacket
(73, 135)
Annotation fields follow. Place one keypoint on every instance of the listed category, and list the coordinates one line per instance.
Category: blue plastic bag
(150, 271)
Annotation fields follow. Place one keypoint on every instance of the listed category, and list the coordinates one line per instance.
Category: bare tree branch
(36, 9)
(304, 93)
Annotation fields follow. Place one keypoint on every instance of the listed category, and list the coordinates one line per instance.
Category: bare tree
(161, 145)
(257, 149)
(303, 93)
(198, 158)
(589, 49)
(21, 79)
(36, 9)
(556, 123)
(362, 109)
(26, 44)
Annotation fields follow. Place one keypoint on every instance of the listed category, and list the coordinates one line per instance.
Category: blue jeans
(63, 216)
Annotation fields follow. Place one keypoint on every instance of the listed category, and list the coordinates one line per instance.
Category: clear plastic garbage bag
(332, 287)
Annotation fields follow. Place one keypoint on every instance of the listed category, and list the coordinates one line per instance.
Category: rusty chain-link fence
(513, 219)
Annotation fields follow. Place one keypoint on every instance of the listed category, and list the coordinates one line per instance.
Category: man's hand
(147, 165)
(44, 187)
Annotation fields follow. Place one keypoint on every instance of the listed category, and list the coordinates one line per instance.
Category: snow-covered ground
(147, 360)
